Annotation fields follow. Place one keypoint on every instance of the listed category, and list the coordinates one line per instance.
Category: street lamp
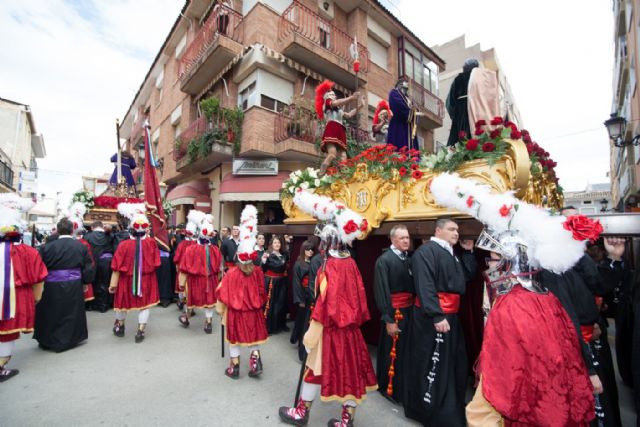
(604, 203)
(141, 151)
(616, 127)
(163, 189)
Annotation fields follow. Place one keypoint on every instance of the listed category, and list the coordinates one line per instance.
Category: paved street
(175, 377)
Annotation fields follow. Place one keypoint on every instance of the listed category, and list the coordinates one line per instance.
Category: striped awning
(277, 56)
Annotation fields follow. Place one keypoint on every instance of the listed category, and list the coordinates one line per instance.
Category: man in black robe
(229, 247)
(457, 102)
(394, 293)
(102, 250)
(61, 321)
(436, 366)
(163, 274)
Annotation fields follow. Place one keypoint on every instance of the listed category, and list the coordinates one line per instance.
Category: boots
(118, 328)
(140, 333)
(233, 371)
(184, 320)
(255, 364)
(5, 373)
(298, 416)
(346, 419)
(208, 326)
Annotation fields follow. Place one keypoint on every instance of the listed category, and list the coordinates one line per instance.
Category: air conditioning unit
(325, 8)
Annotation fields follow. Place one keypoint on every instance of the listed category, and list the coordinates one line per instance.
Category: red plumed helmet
(321, 90)
(382, 105)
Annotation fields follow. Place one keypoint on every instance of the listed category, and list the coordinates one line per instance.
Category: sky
(79, 64)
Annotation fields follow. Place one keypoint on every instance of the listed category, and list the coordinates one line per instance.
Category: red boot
(255, 364)
(346, 419)
(298, 416)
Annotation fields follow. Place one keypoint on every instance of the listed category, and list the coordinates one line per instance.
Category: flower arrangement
(541, 162)
(111, 202)
(167, 207)
(307, 179)
(382, 160)
(84, 197)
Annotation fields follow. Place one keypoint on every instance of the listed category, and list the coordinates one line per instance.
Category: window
(325, 35)
(272, 104)
(416, 66)
(245, 94)
(379, 54)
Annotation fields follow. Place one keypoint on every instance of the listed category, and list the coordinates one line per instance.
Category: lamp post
(616, 128)
(604, 203)
(141, 151)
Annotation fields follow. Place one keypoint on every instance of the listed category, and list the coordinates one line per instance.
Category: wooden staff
(118, 155)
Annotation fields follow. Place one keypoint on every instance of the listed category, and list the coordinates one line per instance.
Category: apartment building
(20, 145)
(625, 161)
(229, 96)
(454, 53)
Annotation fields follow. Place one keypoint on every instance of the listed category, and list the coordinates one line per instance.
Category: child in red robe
(134, 281)
(339, 366)
(241, 298)
(22, 275)
(199, 269)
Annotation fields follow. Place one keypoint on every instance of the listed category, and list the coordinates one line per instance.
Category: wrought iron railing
(426, 100)
(299, 19)
(223, 21)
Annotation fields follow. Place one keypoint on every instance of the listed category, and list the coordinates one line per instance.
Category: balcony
(308, 38)
(215, 44)
(429, 105)
(297, 134)
(208, 142)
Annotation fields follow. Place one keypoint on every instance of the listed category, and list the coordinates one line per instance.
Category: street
(175, 377)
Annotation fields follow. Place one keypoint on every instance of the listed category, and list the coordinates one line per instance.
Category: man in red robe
(199, 270)
(134, 282)
(241, 298)
(22, 275)
(190, 238)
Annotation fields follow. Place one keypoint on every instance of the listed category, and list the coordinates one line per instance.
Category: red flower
(402, 171)
(480, 123)
(515, 134)
(350, 227)
(494, 133)
(331, 171)
(505, 210)
(469, 201)
(497, 121)
(583, 228)
(472, 144)
(415, 166)
(364, 226)
(488, 147)
(417, 174)
(462, 134)
(529, 148)
(478, 132)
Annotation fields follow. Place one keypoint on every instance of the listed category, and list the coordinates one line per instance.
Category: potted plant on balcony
(210, 107)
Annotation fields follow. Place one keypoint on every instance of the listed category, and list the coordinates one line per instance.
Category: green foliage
(210, 107)
(226, 128)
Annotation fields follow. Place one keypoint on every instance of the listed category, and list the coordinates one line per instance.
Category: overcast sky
(78, 64)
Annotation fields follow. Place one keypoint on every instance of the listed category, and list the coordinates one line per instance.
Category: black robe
(61, 321)
(436, 270)
(392, 275)
(457, 107)
(301, 295)
(228, 250)
(163, 274)
(102, 251)
(277, 312)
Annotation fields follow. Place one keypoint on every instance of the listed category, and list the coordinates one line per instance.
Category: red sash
(402, 299)
(274, 275)
(587, 332)
(599, 301)
(449, 303)
(305, 281)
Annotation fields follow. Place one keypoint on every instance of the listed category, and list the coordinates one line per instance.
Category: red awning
(185, 194)
(236, 188)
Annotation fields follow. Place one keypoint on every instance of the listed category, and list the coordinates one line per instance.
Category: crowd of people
(545, 358)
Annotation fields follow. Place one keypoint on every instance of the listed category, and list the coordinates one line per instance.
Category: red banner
(152, 196)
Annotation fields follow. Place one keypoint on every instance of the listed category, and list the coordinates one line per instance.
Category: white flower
(292, 189)
(297, 173)
(312, 173)
(284, 184)
(317, 182)
(292, 175)
(304, 185)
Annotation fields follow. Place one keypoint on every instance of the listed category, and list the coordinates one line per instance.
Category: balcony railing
(426, 100)
(6, 174)
(299, 19)
(303, 125)
(136, 131)
(223, 21)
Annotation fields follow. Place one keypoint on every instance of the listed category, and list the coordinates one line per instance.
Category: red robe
(201, 284)
(122, 262)
(347, 372)
(244, 297)
(177, 259)
(28, 269)
(531, 364)
(88, 294)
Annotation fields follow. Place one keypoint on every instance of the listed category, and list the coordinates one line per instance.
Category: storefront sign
(255, 167)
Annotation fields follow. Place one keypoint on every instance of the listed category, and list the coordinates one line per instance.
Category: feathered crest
(12, 207)
(349, 224)
(550, 244)
(248, 231)
(382, 105)
(321, 91)
(138, 221)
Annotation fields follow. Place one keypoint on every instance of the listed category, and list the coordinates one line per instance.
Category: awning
(237, 188)
(186, 194)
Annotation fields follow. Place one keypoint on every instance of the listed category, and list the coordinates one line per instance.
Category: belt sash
(449, 303)
(67, 275)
